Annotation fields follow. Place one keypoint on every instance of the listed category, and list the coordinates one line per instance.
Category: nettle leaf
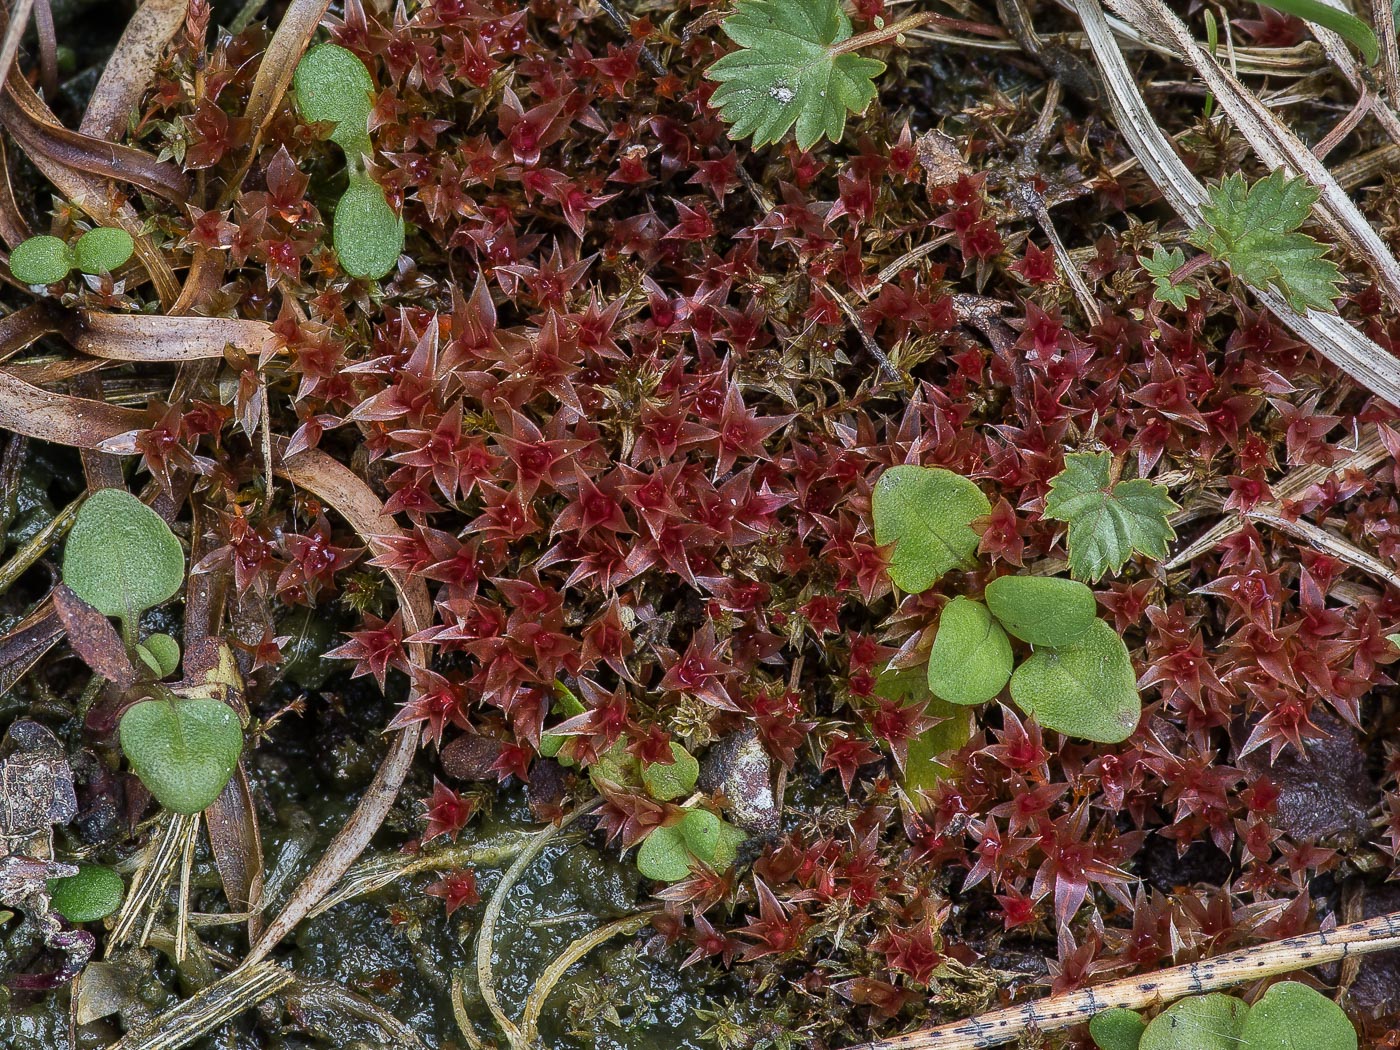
(41, 260)
(927, 513)
(1085, 690)
(1117, 1029)
(786, 72)
(92, 894)
(909, 685)
(664, 782)
(1252, 230)
(367, 232)
(1108, 520)
(1292, 1016)
(1201, 1022)
(103, 250)
(1042, 610)
(184, 751)
(333, 86)
(971, 658)
(120, 556)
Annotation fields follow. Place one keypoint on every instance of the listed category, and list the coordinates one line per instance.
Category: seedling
(120, 560)
(47, 260)
(1078, 680)
(92, 894)
(1289, 1016)
(334, 87)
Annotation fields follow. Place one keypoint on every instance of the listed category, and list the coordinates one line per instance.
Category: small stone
(470, 757)
(738, 768)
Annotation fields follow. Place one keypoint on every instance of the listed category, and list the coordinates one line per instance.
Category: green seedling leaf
(1117, 1029)
(41, 260)
(161, 653)
(334, 87)
(566, 704)
(727, 848)
(615, 765)
(120, 556)
(94, 893)
(1345, 25)
(367, 232)
(1252, 229)
(926, 512)
(103, 250)
(1108, 520)
(1042, 610)
(786, 72)
(1085, 690)
(1393, 639)
(663, 855)
(1201, 1022)
(971, 657)
(922, 771)
(1160, 266)
(664, 782)
(184, 751)
(701, 830)
(1292, 1016)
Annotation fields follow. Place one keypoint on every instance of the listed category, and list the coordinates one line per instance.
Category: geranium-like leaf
(971, 657)
(367, 232)
(120, 556)
(1108, 520)
(926, 512)
(184, 751)
(92, 894)
(1252, 229)
(1084, 690)
(1200, 1022)
(665, 782)
(1117, 1029)
(1042, 610)
(663, 855)
(41, 260)
(785, 72)
(1292, 1016)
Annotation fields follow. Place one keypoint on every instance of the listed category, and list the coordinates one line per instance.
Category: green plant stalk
(38, 545)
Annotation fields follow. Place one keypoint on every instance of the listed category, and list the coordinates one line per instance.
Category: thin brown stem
(885, 34)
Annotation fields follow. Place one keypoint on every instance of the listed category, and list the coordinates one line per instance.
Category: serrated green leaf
(184, 751)
(1201, 1022)
(926, 512)
(1042, 610)
(665, 782)
(971, 658)
(1107, 520)
(1160, 266)
(120, 557)
(784, 72)
(1292, 1016)
(1252, 230)
(1117, 1029)
(1085, 690)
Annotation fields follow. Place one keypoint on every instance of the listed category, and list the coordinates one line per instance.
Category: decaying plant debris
(560, 536)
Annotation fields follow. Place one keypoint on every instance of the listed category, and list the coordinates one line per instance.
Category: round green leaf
(663, 855)
(368, 234)
(701, 831)
(1201, 1022)
(184, 751)
(103, 250)
(727, 848)
(926, 512)
(162, 653)
(120, 556)
(333, 86)
(1042, 610)
(971, 657)
(1117, 1029)
(665, 782)
(92, 894)
(1085, 690)
(1292, 1016)
(41, 260)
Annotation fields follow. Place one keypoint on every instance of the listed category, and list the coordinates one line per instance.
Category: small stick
(1134, 993)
